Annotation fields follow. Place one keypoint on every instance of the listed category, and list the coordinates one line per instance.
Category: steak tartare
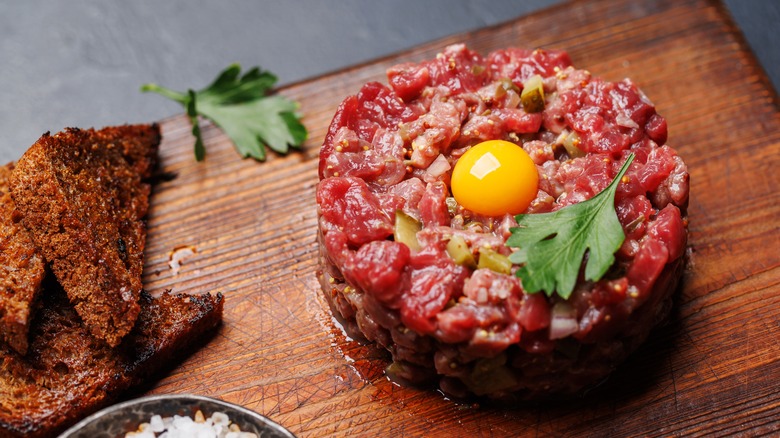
(406, 264)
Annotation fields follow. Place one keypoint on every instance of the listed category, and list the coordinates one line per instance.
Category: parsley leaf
(243, 108)
(552, 245)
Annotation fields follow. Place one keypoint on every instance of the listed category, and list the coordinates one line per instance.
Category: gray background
(81, 62)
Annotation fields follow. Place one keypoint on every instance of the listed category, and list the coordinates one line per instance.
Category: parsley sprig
(553, 245)
(243, 108)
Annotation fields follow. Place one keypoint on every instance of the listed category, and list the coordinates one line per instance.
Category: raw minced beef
(392, 148)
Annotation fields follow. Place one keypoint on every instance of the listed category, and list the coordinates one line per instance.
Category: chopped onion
(439, 166)
(625, 121)
(564, 320)
(512, 99)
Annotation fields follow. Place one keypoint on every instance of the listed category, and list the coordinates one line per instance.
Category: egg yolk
(495, 177)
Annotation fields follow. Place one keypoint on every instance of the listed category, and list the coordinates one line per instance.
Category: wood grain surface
(714, 369)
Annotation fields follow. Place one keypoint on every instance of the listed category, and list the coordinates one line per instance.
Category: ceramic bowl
(115, 421)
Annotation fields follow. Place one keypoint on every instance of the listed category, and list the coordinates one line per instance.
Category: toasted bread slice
(82, 196)
(21, 271)
(68, 374)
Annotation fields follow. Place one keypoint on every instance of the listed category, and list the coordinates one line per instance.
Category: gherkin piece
(494, 261)
(452, 205)
(405, 230)
(507, 85)
(458, 249)
(532, 97)
(572, 145)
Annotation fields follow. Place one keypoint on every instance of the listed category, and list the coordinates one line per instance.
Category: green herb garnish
(552, 245)
(243, 108)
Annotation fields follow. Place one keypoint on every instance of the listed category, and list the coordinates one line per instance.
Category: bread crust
(22, 269)
(68, 374)
(76, 202)
(81, 194)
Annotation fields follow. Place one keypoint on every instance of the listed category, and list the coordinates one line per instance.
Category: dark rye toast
(21, 271)
(68, 374)
(81, 194)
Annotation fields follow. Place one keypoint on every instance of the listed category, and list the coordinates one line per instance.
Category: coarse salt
(157, 424)
(216, 426)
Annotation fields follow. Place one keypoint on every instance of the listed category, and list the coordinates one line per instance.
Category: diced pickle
(532, 96)
(494, 261)
(507, 85)
(572, 145)
(460, 252)
(503, 86)
(405, 230)
(452, 205)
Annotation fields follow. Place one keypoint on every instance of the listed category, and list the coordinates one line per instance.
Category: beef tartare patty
(386, 169)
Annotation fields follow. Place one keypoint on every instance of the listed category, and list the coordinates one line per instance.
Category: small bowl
(115, 421)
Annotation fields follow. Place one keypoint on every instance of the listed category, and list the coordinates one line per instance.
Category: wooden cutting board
(715, 368)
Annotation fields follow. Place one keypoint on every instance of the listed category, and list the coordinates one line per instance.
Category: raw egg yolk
(495, 177)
